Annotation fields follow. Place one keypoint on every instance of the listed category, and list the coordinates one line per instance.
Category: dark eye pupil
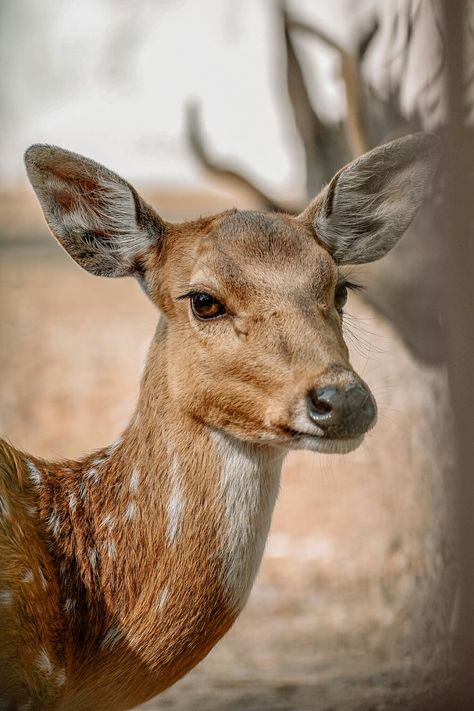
(206, 306)
(203, 300)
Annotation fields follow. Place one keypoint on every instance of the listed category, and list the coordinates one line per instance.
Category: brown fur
(120, 571)
(248, 399)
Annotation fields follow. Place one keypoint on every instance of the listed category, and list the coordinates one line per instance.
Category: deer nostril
(322, 405)
(341, 411)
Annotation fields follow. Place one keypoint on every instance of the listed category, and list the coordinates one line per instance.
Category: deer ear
(95, 215)
(370, 203)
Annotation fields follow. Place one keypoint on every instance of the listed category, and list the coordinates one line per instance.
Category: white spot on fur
(93, 557)
(111, 638)
(83, 490)
(32, 510)
(163, 598)
(4, 507)
(175, 507)
(72, 501)
(108, 521)
(249, 484)
(27, 576)
(130, 511)
(134, 480)
(111, 549)
(54, 522)
(69, 605)
(6, 597)
(60, 677)
(93, 475)
(44, 662)
(34, 474)
(114, 446)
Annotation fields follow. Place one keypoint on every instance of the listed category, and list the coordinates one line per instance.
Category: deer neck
(201, 489)
(166, 528)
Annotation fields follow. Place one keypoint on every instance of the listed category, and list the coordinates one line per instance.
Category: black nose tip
(342, 412)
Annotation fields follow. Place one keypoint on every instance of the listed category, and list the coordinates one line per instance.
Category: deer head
(252, 303)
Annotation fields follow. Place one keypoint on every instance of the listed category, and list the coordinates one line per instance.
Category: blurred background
(212, 104)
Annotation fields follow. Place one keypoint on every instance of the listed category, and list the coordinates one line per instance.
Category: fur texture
(370, 203)
(120, 571)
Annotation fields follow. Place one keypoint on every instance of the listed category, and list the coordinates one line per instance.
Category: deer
(122, 569)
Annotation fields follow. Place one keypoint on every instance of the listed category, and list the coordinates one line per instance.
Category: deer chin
(325, 445)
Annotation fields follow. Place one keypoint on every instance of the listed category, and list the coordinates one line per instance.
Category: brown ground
(342, 615)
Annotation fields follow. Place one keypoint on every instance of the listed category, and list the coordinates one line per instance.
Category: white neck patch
(249, 485)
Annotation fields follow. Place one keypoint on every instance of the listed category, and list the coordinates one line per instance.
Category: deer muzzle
(342, 411)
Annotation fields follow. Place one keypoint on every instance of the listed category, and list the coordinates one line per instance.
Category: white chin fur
(327, 446)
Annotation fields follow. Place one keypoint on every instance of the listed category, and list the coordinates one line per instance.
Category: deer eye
(340, 297)
(204, 306)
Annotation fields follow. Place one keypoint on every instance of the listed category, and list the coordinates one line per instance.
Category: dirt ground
(344, 614)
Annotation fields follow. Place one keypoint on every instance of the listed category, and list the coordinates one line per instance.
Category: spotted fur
(121, 570)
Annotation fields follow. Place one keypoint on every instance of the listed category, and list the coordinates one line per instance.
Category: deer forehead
(251, 255)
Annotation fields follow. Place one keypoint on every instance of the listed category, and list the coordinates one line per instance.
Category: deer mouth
(332, 418)
(329, 445)
(324, 444)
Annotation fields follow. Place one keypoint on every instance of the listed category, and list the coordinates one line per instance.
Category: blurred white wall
(110, 79)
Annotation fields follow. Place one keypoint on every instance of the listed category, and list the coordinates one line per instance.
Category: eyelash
(189, 295)
(352, 285)
(340, 293)
(342, 286)
(199, 310)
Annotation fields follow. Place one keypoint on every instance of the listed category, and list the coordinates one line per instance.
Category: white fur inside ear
(90, 210)
(109, 214)
(369, 205)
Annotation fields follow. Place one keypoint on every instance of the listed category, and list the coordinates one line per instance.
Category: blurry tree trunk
(458, 235)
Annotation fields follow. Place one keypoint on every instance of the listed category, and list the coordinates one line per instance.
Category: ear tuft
(95, 215)
(369, 204)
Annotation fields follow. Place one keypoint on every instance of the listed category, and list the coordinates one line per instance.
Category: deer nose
(342, 411)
